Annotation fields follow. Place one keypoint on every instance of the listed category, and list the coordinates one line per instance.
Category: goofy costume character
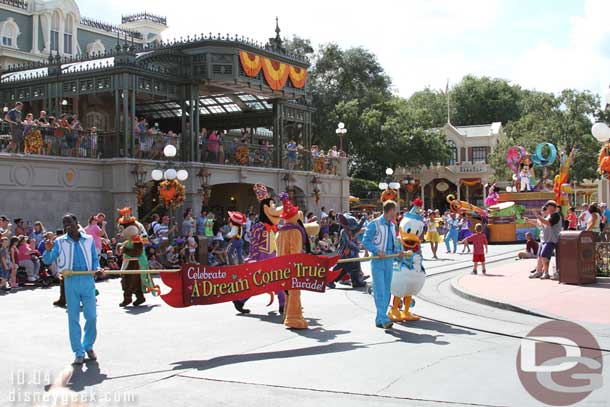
(77, 255)
(380, 236)
(262, 238)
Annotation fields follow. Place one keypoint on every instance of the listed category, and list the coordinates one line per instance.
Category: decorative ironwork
(22, 4)
(602, 259)
(276, 43)
(144, 16)
(109, 27)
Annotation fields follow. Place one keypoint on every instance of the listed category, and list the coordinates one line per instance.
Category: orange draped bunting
(276, 73)
(251, 63)
(298, 76)
(471, 182)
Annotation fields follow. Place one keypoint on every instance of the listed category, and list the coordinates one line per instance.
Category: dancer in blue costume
(380, 240)
(76, 251)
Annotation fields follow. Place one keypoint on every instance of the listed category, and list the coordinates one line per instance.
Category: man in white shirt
(583, 219)
(323, 213)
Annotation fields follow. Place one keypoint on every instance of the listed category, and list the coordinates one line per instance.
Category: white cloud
(584, 63)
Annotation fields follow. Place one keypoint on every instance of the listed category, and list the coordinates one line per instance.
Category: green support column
(183, 129)
(133, 114)
(197, 125)
(125, 101)
(116, 142)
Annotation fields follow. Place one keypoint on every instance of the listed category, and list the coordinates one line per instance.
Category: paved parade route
(155, 354)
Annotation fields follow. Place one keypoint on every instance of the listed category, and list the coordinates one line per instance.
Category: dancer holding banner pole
(380, 240)
(76, 251)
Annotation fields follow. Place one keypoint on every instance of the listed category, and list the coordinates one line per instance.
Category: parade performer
(452, 226)
(349, 248)
(292, 239)
(76, 251)
(465, 232)
(432, 235)
(134, 258)
(379, 239)
(492, 196)
(409, 275)
(561, 182)
(262, 238)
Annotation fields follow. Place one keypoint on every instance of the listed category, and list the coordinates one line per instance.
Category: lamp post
(390, 183)
(601, 132)
(139, 174)
(64, 104)
(341, 132)
(204, 174)
(169, 173)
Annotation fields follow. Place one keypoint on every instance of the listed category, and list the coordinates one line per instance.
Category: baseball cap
(551, 203)
(3, 218)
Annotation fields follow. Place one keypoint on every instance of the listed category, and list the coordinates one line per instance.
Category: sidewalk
(508, 286)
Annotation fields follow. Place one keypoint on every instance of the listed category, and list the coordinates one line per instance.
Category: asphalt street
(461, 353)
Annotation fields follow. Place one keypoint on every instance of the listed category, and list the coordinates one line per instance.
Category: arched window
(55, 31)
(68, 30)
(9, 31)
(453, 152)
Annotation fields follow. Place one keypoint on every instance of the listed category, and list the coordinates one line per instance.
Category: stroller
(45, 278)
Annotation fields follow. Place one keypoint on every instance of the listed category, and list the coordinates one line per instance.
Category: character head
(411, 227)
(454, 204)
(269, 213)
(131, 232)
(389, 194)
(347, 221)
(290, 212)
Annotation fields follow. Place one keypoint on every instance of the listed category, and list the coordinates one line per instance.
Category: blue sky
(542, 44)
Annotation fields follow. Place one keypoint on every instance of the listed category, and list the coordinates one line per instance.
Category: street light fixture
(341, 131)
(601, 131)
(169, 173)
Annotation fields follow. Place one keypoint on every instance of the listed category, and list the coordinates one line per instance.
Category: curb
(455, 287)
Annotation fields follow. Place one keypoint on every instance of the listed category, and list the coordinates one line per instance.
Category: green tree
(299, 46)
(428, 108)
(485, 100)
(563, 120)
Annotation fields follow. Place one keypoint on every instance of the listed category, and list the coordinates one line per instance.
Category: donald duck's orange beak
(409, 241)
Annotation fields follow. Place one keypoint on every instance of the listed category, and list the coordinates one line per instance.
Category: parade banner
(203, 285)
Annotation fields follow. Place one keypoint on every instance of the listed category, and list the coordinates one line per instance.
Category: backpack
(151, 229)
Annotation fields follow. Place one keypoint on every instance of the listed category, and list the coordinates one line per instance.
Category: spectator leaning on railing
(13, 116)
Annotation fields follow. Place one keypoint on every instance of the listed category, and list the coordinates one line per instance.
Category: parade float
(506, 211)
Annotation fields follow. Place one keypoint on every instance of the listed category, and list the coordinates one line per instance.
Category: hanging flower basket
(172, 193)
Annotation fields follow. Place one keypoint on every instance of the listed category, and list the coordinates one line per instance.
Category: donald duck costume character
(409, 277)
(380, 240)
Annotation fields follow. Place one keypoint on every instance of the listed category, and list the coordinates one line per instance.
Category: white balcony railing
(468, 167)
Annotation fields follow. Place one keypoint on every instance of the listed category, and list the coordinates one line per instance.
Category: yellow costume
(432, 234)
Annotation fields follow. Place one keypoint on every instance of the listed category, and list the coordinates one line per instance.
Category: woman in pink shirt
(23, 257)
(95, 232)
